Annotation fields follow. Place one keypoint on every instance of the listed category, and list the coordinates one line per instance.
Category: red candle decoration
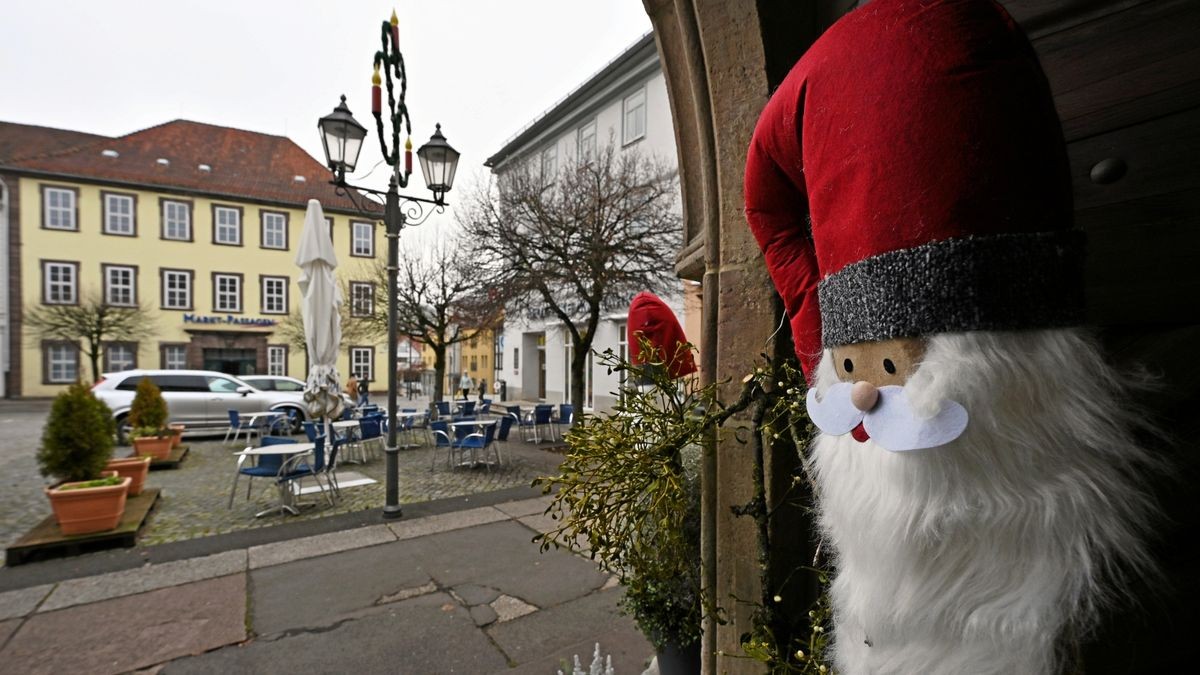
(395, 31)
(376, 96)
(408, 155)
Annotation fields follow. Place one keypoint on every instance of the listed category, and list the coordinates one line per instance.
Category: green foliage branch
(77, 440)
(627, 495)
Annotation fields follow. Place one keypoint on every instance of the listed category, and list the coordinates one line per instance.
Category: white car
(201, 399)
(283, 383)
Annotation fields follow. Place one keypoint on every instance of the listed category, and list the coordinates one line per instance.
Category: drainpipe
(4, 272)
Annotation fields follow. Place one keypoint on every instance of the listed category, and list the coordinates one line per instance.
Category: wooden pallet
(46, 540)
(173, 460)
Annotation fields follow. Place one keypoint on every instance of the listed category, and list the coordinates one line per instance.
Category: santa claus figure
(976, 463)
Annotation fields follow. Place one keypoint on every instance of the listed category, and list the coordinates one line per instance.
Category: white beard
(987, 554)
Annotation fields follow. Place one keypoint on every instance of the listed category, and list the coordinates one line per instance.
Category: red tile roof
(242, 164)
(18, 141)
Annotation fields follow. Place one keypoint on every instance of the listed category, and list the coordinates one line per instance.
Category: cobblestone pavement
(195, 497)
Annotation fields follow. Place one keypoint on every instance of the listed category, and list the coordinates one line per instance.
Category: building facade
(197, 224)
(626, 104)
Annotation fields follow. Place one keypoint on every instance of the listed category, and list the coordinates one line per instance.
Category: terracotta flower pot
(158, 447)
(135, 468)
(176, 434)
(88, 510)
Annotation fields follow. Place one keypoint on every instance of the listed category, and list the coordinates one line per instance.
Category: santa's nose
(864, 395)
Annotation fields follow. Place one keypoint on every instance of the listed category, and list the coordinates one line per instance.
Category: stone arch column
(721, 60)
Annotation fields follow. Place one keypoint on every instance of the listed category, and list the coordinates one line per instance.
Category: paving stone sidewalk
(195, 497)
(459, 592)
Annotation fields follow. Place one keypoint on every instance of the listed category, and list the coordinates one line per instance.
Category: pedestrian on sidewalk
(466, 384)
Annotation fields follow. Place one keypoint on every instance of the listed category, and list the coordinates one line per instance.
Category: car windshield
(223, 385)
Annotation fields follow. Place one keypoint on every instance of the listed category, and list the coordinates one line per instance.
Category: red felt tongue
(860, 433)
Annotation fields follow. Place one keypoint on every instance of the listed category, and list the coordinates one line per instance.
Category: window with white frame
(362, 298)
(174, 357)
(274, 295)
(227, 225)
(276, 360)
(633, 116)
(623, 355)
(176, 289)
(120, 285)
(363, 239)
(587, 140)
(58, 209)
(120, 356)
(176, 220)
(227, 293)
(362, 362)
(60, 283)
(549, 163)
(62, 362)
(274, 230)
(118, 214)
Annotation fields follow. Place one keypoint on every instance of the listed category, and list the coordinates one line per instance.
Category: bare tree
(92, 323)
(441, 301)
(355, 329)
(578, 244)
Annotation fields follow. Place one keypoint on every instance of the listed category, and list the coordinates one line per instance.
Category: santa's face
(972, 555)
(870, 400)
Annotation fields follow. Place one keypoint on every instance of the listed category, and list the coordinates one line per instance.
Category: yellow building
(477, 359)
(197, 223)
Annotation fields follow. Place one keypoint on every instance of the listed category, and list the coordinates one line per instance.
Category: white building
(627, 102)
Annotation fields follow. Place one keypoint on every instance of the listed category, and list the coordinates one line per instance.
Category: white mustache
(892, 423)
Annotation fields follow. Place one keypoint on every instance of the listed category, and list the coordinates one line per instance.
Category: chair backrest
(408, 410)
(442, 426)
(310, 430)
(489, 435)
(347, 414)
(515, 410)
(273, 461)
(488, 401)
(319, 454)
(234, 418)
(370, 427)
(566, 413)
(506, 423)
(468, 408)
(408, 422)
(443, 408)
(485, 407)
(542, 414)
(462, 431)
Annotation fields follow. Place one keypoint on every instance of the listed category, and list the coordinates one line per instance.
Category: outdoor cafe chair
(467, 408)
(370, 434)
(543, 418)
(566, 415)
(481, 442)
(443, 408)
(296, 469)
(267, 466)
(235, 427)
(440, 430)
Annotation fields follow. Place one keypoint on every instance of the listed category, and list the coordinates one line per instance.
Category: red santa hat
(650, 317)
(909, 177)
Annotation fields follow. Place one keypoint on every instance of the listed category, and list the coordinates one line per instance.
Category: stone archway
(1125, 75)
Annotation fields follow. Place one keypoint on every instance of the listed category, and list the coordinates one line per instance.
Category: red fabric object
(908, 122)
(652, 318)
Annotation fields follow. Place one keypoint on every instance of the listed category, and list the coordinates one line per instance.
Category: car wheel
(123, 429)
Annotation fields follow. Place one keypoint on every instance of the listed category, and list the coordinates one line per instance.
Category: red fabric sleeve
(777, 211)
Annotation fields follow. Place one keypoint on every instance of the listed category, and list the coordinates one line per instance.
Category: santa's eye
(848, 365)
(889, 366)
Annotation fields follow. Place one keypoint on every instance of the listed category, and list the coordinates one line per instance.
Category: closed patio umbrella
(320, 300)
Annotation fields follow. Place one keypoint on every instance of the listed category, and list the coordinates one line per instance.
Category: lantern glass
(342, 137)
(439, 162)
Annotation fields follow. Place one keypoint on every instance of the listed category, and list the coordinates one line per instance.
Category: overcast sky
(483, 68)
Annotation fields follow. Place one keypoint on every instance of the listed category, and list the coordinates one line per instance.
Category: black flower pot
(674, 659)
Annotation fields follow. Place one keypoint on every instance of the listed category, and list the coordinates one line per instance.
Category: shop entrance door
(231, 361)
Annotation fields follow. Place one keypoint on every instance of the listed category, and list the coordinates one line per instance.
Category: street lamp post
(342, 138)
